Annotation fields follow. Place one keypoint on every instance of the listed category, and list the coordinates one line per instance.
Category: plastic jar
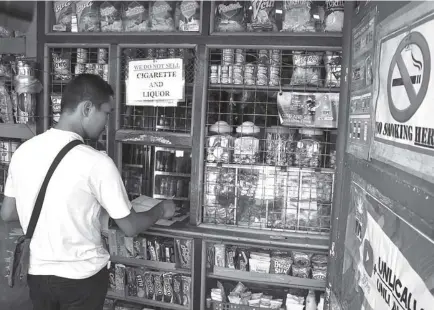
(279, 142)
(219, 143)
(246, 147)
(309, 148)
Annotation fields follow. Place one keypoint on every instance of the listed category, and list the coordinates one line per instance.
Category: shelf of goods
(239, 275)
(151, 270)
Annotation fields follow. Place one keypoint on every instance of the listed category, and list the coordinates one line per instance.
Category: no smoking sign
(408, 77)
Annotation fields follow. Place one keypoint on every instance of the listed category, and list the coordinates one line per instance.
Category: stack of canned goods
(84, 66)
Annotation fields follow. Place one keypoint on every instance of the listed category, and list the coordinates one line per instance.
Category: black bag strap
(41, 196)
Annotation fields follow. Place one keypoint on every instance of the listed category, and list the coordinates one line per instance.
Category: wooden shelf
(266, 279)
(172, 198)
(13, 46)
(155, 138)
(169, 267)
(307, 89)
(146, 302)
(172, 174)
(17, 131)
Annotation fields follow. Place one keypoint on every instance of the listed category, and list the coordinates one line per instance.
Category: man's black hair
(86, 87)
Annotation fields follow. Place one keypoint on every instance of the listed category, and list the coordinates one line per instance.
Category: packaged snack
(297, 17)
(254, 303)
(260, 266)
(242, 261)
(332, 62)
(110, 16)
(189, 15)
(5, 32)
(131, 281)
(230, 16)
(186, 289)
(239, 288)
(158, 250)
(209, 256)
(152, 251)
(168, 252)
(334, 20)
(230, 256)
(276, 304)
(135, 17)
(149, 285)
(6, 107)
(109, 304)
(307, 69)
(257, 296)
(158, 286)
(281, 263)
(112, 278)
(120, 278)
(63, 11)
(129, 247)
(216, 294)
(262, 16)
(88, 16)
(177, 289)
(220, 255)
(222, 291)
(184, 252)
(245, 297)
(168, 287)
(5, 68)
(62, 66)
(301, 271)
(120, 242)
(234, 298)
(319, 273)
(56, 107)
(140, 247)
(319, 259)
(162, 16)
(301, 259)
(141, 290)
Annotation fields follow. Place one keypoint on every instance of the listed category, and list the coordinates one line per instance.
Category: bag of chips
(230, 16)
(162, 16)
(6, 109)
(63, 11)
(187, 15)
(297, 17)
(110, 16)
(334, 20)
(135, 17)
(6, 33)
(332, 62)
(62, 66)
(262, 16)
(88, 16)
(307, 69)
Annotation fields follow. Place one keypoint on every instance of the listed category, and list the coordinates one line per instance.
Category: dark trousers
(55, 293)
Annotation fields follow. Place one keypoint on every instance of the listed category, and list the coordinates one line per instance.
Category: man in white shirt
(68, 264)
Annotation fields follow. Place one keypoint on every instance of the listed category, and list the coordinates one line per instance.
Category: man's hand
(168, 208)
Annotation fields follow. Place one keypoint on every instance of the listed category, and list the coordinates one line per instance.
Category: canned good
(90, 68)
(274, 75)
(80, 69)
(262, 75)
(249, 74)
(240, 56)
(275, 57)
(214, 75)
(105, 72)
(228, 56)
(225, 75)
(102, 56)
(263, 56)
(81, 55)
(238, 74)
(171, 52)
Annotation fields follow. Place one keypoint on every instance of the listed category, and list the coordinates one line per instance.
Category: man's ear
(85, 107)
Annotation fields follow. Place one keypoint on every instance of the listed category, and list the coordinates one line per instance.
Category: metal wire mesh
(271, 142)
(152, 118)
(7, 148)
(68, 62)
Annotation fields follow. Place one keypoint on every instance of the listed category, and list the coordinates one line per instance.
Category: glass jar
(219, 143)
(309, 148)
(279, 145)
(246, 146)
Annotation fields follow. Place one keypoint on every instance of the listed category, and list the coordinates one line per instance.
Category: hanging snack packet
(6, 108)
(334, 20)
(230, 16)
(62, 66)
(263, 16)
(177, 289)
(168, 287)
(187, 15)
(135, 17)
(186, 289)
(110, 16)
(307, 69)
(297, 17)
(56, 107)
(63, 11)
(332, 62)
(162, 16)
(88, 16)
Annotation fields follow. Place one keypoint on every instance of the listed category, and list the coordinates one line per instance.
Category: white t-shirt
(67, 240)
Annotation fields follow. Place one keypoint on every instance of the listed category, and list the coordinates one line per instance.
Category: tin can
(225, 74)
(171, 52)
(262, 75)
(275, 57)
(102, 56)
(249, 74)
(263, 57)
(105, 72)
(81, 55)
(79, 69)
(228, 56)
(238, 74)
(150, 53)
(90, 68)
(274, 75)
(240, 56)
(214, 78)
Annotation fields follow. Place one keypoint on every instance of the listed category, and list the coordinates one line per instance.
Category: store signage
(158, 82)
(404, 130)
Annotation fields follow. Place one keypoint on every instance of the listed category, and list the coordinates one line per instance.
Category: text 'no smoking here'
(408, 82)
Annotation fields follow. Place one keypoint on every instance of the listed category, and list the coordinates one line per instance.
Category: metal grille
(271, 142)
(68, 62)
(7, 148)
(152, 118)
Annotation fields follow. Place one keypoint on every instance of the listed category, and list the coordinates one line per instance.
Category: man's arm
(8, 210)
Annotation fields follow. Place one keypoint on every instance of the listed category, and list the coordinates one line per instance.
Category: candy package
(220, 255)
(231, 256)
(177, 289)
(88, 16)
(334, 20)
(297, 16)
(301, 259)
(306, 69)
(301, 271)
(62, 66)
(158, 286)
(56, 107)
(112, 278)
(184, 251)
(262, 16)
(119, 278)
(186, 289)
(149, 285)
(230, 16)
(110, 16)
(135, 17)
(319, 259)
(281, 262)
(162, 16)
(139, 244)
(332, 62)
(141, 290)
(187, 15)
(168, 287)
(6, 107)
(129, 247)
(63, 11)
(131, 281)
(242, 260)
